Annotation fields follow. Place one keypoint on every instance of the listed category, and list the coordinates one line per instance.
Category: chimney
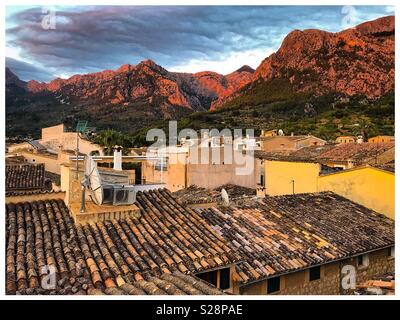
(118, 158)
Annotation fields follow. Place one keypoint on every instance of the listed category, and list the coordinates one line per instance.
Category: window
(315, 273)
(224, 278)
(363, 261)
(210, 277)
(273, 284)
(262, 180)
(391, 252)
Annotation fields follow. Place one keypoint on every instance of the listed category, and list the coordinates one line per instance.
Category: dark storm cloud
(27, 71)
(89, 39)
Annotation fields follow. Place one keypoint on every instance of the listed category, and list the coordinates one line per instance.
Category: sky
(43, 43)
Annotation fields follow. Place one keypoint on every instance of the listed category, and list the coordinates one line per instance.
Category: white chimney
(118, 158)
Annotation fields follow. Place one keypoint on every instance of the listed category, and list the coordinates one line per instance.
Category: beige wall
(180, 175)
(67, 141)
(298, 283)
(50, 162)
(174, 177)
(222, 169)
(346, 139)
(19, 146)
(50, 132)
(370, 187)
(280, 174)
(277, 143)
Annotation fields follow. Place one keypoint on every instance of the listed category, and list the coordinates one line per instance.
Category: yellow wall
(279, 176)
(378, 139)
(368, 186)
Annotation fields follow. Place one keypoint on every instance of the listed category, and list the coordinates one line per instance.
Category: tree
(110, 138)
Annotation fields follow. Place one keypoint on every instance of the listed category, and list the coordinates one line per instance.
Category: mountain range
(354, 62)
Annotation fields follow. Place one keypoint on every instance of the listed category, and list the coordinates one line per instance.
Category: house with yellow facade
(310, 170)
(380, 139)
(349, 155)
(372, 187)
(346, 139)
(289, 143)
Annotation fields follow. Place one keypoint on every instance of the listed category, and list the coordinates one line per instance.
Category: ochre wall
(211, 175)
(278, 143)
(232, 168)
(51, 163)
(370, 187)
(174, 177)
(279, 176)
(289, 143)
(50, 132)
(378, 139)
(298, 283)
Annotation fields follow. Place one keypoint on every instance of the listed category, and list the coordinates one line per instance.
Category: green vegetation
(328, 116)
(110, 138)
(261, 105)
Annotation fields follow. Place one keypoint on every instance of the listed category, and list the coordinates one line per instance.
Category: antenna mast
(81, 127)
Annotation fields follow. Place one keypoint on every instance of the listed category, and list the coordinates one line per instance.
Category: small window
(210, 277)
(273, 285)
(224, 278)
(362, 260)
(315, 273)
(391, 252)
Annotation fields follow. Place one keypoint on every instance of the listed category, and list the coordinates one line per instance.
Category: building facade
(372, 187)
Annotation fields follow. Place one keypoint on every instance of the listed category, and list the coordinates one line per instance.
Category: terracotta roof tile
(132, 256)
(25, 177)
(359, 152)
(198, 195)
(287, 233)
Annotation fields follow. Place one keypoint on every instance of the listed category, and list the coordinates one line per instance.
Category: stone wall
(298, 283)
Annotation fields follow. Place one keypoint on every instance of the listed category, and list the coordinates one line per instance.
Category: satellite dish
(225, 197)
(280, 132)
(94, 179)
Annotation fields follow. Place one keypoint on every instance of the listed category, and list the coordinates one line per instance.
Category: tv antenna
(81, 128)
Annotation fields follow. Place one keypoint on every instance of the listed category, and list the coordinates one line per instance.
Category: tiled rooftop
(282, 234)
(198, 195)
(306, 154)
(25, 177)
(112, 255)
(359, 152)
(387, 167)
(264, 238)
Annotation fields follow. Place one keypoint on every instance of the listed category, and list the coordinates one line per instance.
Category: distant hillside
(127, 98)
(317, 82)
(356, 61)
